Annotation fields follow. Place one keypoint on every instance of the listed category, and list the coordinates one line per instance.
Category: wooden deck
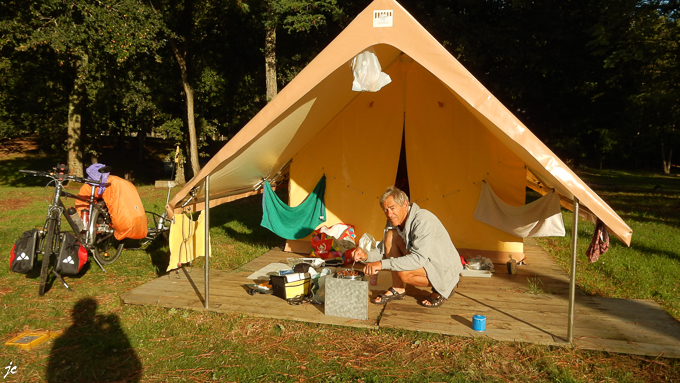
(512, 313)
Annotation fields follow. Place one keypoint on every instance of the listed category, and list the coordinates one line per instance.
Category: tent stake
(572, 279)
(207, 239)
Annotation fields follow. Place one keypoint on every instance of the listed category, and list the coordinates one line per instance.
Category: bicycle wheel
(51, 236)
(106, 249)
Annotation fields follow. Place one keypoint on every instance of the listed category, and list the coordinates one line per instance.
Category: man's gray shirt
(429, 246)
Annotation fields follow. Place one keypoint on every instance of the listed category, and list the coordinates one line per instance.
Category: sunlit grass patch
(182, 345)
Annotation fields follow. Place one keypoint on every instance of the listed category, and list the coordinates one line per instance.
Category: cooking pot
(354, 275)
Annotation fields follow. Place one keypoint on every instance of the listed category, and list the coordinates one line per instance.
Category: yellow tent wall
(448, 151)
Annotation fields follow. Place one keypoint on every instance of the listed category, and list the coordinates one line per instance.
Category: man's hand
(359, 255)
(372, 268)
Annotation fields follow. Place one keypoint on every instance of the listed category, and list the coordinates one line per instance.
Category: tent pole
(207, 239)
(572, 279)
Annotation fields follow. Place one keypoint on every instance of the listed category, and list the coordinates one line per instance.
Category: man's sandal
(384, 298)
(434, 302)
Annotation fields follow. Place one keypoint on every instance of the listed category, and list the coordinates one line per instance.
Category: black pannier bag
(22, 255)
(72, 256)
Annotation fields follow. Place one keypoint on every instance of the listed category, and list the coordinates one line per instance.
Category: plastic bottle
(73, 213)
(85, 214)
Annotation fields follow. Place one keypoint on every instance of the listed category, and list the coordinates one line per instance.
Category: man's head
(394, 204)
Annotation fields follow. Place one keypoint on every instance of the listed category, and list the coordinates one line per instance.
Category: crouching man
(417, 249)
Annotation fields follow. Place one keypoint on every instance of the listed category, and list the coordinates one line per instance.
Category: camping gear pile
(479, 263)
(300, 281)
(333, 244)
(342, 291)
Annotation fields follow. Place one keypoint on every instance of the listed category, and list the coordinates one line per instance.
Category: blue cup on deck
(479, 323)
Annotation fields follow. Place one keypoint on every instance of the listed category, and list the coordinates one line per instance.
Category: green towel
(293, 222)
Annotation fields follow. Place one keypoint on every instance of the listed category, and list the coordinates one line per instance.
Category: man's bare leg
(419, 278)
(394, 247)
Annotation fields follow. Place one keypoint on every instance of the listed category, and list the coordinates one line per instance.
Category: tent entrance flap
(401, 182)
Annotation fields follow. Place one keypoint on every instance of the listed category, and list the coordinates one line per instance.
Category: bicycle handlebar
(64, 177)
(32, 172)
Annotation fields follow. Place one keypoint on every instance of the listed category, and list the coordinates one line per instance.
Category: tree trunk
(74, 144)
(189, 91)
(179, 173)
(74, 128)
(141, 139)
(186, 30)
(270, 62)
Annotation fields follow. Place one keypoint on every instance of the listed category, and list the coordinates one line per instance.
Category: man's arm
(421, 239)
(361, 256)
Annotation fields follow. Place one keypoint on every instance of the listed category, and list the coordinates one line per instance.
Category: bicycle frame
(89, 237)
(95, 237)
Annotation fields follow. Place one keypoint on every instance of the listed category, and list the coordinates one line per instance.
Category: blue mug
(479, 323)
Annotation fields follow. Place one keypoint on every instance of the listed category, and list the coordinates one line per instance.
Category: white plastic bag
(344, 244)
(367, 243)
(368, 75)
(319, 288)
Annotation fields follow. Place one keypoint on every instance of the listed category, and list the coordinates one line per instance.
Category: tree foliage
(597, 81)
(87, 42)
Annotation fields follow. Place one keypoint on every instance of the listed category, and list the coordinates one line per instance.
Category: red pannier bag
(125, 207)
(22, 255)
(72, 256)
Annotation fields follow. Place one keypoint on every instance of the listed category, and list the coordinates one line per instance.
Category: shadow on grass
(630, 181)
(644, 250)
(94, 349)
(159, 252)
(9, 170)
(248, 213)
(25, 154)
(670, 221)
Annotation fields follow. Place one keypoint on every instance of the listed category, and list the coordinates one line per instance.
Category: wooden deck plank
(513, 313)
(185, 290)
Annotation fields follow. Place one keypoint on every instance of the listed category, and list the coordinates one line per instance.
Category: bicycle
(94, 233)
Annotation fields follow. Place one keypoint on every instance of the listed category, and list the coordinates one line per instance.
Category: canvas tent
(454, 133)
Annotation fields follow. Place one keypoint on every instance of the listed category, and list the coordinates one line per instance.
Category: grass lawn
(102, 340)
